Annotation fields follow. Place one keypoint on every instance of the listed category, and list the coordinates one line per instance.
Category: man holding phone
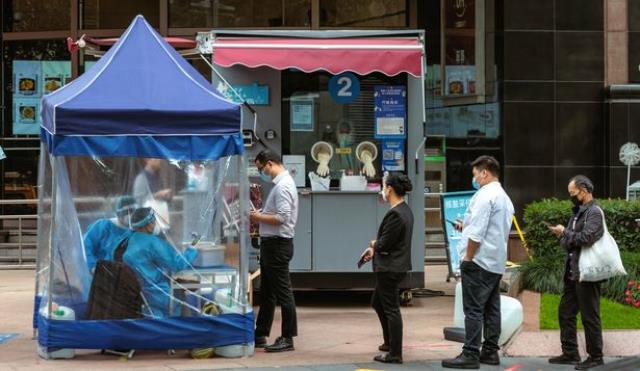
(483, 250)
(582, 231)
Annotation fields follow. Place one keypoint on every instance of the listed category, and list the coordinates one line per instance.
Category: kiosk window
(310, 114)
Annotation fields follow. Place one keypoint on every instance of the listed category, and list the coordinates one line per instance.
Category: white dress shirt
(488, 222)
(282, 202)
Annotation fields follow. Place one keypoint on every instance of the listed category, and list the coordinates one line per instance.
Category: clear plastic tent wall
(189, 260)
(143, 216)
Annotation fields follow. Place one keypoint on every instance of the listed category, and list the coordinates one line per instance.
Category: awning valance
(390, 56)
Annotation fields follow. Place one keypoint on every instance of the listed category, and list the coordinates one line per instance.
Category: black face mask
(575, 200)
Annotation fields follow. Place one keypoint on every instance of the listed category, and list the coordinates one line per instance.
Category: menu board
(31, 81)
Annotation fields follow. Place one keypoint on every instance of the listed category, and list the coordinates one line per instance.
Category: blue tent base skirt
(163, 333)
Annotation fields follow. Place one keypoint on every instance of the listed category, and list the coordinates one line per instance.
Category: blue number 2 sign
(344, 88)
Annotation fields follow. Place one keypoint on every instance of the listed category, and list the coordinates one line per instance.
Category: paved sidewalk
(339, 330)
(509, 364)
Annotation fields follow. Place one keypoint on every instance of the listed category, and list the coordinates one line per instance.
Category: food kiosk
(343, 107)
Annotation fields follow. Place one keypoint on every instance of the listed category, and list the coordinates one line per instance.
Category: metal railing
(22, 261)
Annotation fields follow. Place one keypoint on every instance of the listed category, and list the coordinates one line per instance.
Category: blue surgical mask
(475, 184)
(265, 178)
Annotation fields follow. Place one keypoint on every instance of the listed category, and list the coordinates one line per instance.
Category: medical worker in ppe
(154, 260)
(104, 235)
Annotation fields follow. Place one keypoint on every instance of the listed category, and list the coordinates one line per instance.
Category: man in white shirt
(483, 255)
(277, 224)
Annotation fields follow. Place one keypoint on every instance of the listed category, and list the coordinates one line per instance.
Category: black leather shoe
(383, 347)
(387, 358)
(565, 359)
(589, 363)
(260, 341)
(490, 358)
(461, 362)
(282, 344)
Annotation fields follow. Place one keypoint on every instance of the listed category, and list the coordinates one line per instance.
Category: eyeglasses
(260, 168)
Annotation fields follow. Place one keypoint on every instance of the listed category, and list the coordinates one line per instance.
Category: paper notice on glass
(302, 114)
(295, 165)
(390, 126)
(54, 75)
(390, 111)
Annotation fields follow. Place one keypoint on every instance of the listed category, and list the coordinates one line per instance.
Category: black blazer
(393, 246)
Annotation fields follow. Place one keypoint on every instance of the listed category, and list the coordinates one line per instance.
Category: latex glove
(323, 166)
(367, 160)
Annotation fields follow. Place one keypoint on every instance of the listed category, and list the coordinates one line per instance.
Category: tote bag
(602, 260)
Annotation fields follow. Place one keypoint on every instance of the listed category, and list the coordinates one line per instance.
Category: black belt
(275, 238)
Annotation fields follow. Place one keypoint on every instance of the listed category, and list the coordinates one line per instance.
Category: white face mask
(384, 195)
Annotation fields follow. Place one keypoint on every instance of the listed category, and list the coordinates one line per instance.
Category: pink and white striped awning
(389, 56)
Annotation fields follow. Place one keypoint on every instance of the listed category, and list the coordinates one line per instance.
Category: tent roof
(140, 88)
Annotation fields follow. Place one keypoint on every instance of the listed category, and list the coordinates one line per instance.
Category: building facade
(526, 81)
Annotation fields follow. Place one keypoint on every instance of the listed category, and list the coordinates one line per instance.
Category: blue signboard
(344, 88)
(454, 205)
(254, 94)
(390, 111)
(393, 155)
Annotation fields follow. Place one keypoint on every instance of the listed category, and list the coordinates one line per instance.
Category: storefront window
(97, 14)
(239, 13)
(32, 70)
(36, 15)
(364, 13)
(310, 113)
(460, 37)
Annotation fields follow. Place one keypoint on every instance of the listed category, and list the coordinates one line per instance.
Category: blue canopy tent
(140, 100)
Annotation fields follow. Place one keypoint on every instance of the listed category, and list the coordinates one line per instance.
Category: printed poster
(390, 111)
(302, 112)
(55, 74)
(393, 155)
(26, 78)
(454, 205)
(26, 116)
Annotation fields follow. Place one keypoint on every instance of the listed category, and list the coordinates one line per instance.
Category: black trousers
(481, 305)
(275, 286)
(386, 302)
(583, 297)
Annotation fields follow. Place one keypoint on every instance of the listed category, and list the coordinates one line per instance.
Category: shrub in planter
(545, 272)
(620, 217)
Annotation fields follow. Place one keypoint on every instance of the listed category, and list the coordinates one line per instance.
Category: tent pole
(41, 168)
(54, 202)
(244, 102)
(423, 63)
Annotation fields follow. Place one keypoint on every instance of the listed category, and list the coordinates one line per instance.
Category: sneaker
(461, 362)
(565, 359)
(282, 344)
(490, 358)
(589, 363)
